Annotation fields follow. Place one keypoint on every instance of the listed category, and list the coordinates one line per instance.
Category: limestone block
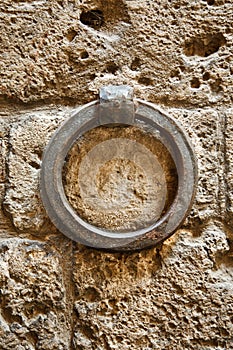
(27, 139)
(33, 298)
(170, 51)
(205, 127)
(150, 300)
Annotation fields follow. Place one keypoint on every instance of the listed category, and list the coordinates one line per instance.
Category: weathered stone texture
(33, 301)
(56, 294)
(146, 301)
(205, 128)
(171, 51)
(28, 138)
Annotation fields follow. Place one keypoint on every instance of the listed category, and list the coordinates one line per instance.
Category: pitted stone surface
(172, 51)
(28, 139)
(146, 301)
(120, 178)
(205, 128)
(33, 298)
(177, 54)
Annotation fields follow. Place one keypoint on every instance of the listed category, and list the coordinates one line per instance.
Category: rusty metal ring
(86, 118)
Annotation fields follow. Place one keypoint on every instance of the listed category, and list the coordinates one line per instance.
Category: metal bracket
(116, 105)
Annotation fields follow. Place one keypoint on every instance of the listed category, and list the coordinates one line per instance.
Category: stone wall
(56, 294)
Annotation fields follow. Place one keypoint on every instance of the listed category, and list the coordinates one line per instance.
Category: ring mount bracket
(115, 107)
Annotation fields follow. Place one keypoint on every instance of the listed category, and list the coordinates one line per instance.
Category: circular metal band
(66, 219)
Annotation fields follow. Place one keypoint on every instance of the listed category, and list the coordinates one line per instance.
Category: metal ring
(66, 219)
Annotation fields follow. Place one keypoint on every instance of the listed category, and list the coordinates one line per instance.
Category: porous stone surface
(120, 178)
(206, 129)
(33, 299)
(54, 57)
(28, 137)
(173, 298)
(172, 51)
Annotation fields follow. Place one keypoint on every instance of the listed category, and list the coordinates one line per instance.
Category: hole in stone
(182, 68)
(93, 18)
(111, 68)
(71, 35)
(204, 46)
(195, 83)
(175, 74)
(120, 178)
(216, 86)
(210, 2)
(13, 19)
(39, 153)
(91, 294)
(145, 81)
(84, 55)
(224, 65)
(34, 165)
(176, 6)
(3, 250)
(92, 76)
(206, 76)
(172, 325)
(136, 63)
